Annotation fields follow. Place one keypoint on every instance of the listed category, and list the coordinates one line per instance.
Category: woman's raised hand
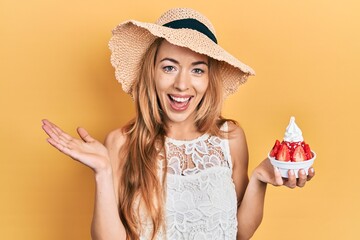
(86, 150)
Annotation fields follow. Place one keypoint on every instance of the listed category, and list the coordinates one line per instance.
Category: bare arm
(106, 222)
(249, 213)
(251, 194)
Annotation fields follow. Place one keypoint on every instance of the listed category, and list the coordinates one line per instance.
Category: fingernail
(292, 172)
(302, 171)
(276, 169)
(312, 170)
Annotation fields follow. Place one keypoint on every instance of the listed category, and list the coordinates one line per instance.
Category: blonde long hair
(145, 136)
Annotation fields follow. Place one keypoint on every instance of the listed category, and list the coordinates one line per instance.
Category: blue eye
(168, 68)
(198, 71)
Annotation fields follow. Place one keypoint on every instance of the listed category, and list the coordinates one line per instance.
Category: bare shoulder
(239, 157)
(235, 132)
(113, 142)
(238, 144)
(115, 139)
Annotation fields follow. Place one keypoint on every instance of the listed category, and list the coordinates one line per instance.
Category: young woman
(178, 170)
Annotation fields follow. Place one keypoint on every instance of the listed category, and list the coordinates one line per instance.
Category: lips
(178, 102)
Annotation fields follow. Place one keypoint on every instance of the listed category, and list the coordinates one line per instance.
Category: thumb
(84, 135)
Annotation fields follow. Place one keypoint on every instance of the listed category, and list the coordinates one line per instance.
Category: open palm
(86, 150)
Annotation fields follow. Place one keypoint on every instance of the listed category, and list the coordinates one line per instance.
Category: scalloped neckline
(181, 142)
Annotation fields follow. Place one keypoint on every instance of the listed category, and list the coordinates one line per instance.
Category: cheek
(160, 88)
(157, 81)
(201, 86)
(161, 85)
(163, 82)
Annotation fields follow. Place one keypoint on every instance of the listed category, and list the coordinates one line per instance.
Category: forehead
(167, 49)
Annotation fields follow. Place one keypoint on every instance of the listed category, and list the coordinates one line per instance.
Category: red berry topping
(299, 154)
(307, 151)
(275, 149)
(283, 154)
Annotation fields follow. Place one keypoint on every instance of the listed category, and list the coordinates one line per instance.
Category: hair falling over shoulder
(140, 183)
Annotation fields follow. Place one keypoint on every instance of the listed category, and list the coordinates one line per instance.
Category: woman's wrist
(104, 173)
(257, 178)
(264, 173)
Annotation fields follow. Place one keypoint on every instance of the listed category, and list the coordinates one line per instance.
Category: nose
(182, 82)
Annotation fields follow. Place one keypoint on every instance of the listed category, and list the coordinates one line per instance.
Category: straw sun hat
(182, 27)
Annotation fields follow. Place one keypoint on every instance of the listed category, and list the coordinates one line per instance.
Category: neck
(182, 131)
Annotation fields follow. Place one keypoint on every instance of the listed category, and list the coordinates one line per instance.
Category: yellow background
(55, 64)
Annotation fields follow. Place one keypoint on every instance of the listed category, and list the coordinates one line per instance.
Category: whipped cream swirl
(293, 132)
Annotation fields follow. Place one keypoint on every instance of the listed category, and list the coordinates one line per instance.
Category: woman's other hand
(86, 150)
(267, 173)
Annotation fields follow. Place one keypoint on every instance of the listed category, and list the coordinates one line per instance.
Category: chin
(177, 119)
(180, 117)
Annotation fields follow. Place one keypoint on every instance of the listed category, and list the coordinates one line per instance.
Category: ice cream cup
(284, 167)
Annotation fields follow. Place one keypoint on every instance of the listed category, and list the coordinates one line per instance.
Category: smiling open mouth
(179, 103)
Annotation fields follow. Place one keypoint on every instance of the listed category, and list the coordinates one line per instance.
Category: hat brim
(131, 40)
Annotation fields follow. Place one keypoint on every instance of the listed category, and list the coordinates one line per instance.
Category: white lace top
(200, 199)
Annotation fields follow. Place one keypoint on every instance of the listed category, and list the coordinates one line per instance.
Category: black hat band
(194, 24)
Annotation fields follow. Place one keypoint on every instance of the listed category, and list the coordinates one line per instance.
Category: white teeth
(179, 99)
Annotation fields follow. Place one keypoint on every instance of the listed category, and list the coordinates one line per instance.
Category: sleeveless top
(201, 200)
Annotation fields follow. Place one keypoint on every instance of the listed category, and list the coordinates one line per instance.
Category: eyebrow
(177, 62)
(199, 62)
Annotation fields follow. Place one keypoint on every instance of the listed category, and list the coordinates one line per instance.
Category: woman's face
(181, 80)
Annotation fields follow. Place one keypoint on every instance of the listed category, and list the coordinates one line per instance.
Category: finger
(311, 174)
(58, 145)
(60, 132)
(57, 135)
(62, 140)
(56, 130)
(50, 125)
(302, 178)
(50, 132)
(66, 149)
(84, 135)
(291, 181)
(278, 179)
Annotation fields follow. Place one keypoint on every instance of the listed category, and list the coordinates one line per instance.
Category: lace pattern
(202, 206)
(200, 199)
(192, 157)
